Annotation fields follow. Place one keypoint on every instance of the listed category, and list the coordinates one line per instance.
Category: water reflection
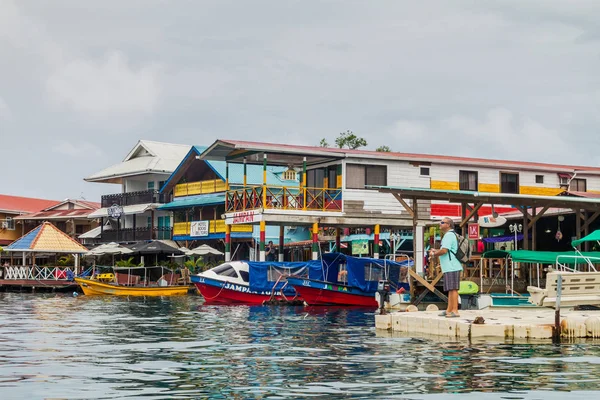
(102, 347)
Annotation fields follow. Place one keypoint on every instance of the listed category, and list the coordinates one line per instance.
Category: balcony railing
(214, 226)
(283, 198)
(132, 198)
(132, 235)
(200, 187)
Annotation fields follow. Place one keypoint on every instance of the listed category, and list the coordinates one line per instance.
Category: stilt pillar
(281, 242)
(227, 243)
(338, 244)
(376, 242)
(315, 239)
(263, 228)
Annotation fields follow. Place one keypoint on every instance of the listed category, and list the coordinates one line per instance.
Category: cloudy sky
(82, 81)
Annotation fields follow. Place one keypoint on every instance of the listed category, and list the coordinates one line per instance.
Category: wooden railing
(200, 187)
(283, 198)
(34, 272)
(214, 226)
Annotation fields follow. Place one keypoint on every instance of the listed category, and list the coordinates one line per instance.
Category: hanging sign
(489, 221)
(473, 231)
(360, 247)
(198, 228)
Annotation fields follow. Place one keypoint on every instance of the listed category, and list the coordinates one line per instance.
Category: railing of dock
(35, 272)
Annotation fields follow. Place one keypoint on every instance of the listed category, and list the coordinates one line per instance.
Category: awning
(195, 201)
(127, 210)
(592, 237)
(94, 233)
(495, 254)
(549, 257)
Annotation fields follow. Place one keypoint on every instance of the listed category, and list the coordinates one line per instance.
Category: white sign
(245, 217)
(199, 228)
(489, 221)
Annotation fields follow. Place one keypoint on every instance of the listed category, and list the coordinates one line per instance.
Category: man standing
(451, 266)
(270, 251)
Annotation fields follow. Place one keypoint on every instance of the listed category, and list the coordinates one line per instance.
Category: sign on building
(360, 247)
(199, 228)
(473, 231)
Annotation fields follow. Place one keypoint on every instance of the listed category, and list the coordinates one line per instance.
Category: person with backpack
(451, 265)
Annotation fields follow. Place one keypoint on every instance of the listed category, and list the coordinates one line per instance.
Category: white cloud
(5, 112)
(110, 86)
(499, 134)
(79, 150)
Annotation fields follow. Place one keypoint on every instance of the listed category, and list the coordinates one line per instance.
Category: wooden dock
(511, 323)
(50, 285)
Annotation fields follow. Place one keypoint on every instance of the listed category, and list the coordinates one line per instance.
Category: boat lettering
(305, 283)
(201, 280)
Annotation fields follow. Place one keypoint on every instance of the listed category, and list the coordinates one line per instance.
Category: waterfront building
(11, 207)
(196, 194)
(342, 188)
(132, 214)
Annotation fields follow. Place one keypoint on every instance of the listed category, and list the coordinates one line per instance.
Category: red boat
(320, 293)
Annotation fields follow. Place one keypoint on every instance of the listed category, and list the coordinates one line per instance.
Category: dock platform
(510, 323)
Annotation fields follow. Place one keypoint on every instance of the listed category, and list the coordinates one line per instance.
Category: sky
(82, 81)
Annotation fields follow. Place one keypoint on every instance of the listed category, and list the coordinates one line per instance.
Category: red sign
(473, 231)
(243, 217)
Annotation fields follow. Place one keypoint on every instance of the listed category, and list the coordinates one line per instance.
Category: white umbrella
(109, 248)
(203, 250)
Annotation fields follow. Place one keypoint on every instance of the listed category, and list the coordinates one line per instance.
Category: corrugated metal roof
(17, 204)
(127, 210)
(194, 201)
(46, 238)
(146, 157)
(57, 214)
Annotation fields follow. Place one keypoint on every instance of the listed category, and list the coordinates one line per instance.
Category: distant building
(12, 207)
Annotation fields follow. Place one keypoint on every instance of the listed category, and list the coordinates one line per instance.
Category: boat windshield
(245, 276)
(225, 270)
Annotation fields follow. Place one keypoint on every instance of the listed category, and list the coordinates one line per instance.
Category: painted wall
(140, 182)
(9, 235)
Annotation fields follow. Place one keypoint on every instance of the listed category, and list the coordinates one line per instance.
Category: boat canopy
(592, 237)
(550, 257)
(362, 272)
(265, 276)
(495, 254)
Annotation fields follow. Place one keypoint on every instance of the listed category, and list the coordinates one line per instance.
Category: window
(151, 185)
(10, 224)
(315, 178)
(289, 175)
(578, 185)
(509, 183)
(161, 184)
(245, 276)
(225, 270)
(149, 222)
(360, 176)
(332, 177)
(539, 179)
(467, 180)
(424, 171)
(373, 272)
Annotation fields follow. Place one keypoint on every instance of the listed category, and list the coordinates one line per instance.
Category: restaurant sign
(245, 217)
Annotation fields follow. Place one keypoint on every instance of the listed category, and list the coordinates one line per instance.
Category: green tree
(383, 149)
(323, 143)
(350, 140)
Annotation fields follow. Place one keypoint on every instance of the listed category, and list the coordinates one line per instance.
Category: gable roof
(146, 157)
(20, 205)
(254, 173)
(46, 238)
(283, 152)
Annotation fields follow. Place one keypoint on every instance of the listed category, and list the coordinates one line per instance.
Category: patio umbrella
(108, 248)
(155, 247)
(203, 250)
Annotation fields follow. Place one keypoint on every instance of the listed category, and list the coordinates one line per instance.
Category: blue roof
(193, 201)
(24, 243)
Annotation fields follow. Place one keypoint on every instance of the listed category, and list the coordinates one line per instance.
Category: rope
(215, 296)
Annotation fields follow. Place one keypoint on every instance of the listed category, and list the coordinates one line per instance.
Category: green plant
(65, 261)
(126, 263)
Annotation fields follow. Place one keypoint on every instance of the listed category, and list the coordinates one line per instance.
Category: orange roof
(47, 238)
(18, 205)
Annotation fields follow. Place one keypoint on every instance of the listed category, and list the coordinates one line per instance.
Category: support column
(338, 242)
(525, 228)
(245, 194)
(304, 183)
(264, 185)
(376, 242)
(227, 243)
(281, 242)
(419, 235)
(315, 239)
(578, 225)
(226, 186)
(263, 227)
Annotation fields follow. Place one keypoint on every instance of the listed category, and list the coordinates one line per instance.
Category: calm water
(59, 346)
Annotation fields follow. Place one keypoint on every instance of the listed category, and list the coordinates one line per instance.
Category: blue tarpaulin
(499, 239)
(264, 275)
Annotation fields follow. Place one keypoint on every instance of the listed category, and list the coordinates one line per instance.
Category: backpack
(463, 253)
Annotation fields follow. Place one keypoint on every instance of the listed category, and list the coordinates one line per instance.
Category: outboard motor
(383, 289)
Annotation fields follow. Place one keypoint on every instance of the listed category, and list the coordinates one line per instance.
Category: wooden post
(338, 243)
(315, 241)
(227, 243)
(578, 224)
(376, 242)
(525, 228)
(586, 245)
(263, 227)
(557, 309)
(281, 242)
(533, 230)
(264, 188)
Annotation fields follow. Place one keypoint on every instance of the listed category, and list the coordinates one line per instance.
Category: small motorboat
(250, 282)
(343, 280)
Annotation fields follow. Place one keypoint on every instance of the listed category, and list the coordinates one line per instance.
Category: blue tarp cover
(362, 272)
(263, 275)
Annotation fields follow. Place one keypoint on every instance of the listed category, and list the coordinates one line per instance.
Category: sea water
(61, 346)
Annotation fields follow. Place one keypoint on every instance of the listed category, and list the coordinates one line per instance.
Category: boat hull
(95, 288)
(215, 291)
(320, 293)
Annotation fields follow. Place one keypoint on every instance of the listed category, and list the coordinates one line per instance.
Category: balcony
(283, 198)
(200, 187)
(214, 226)
(131, 198)
(137, 234)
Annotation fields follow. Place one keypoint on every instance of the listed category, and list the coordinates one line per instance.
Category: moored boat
(136, 281)
(249, 282)
(347, 281)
